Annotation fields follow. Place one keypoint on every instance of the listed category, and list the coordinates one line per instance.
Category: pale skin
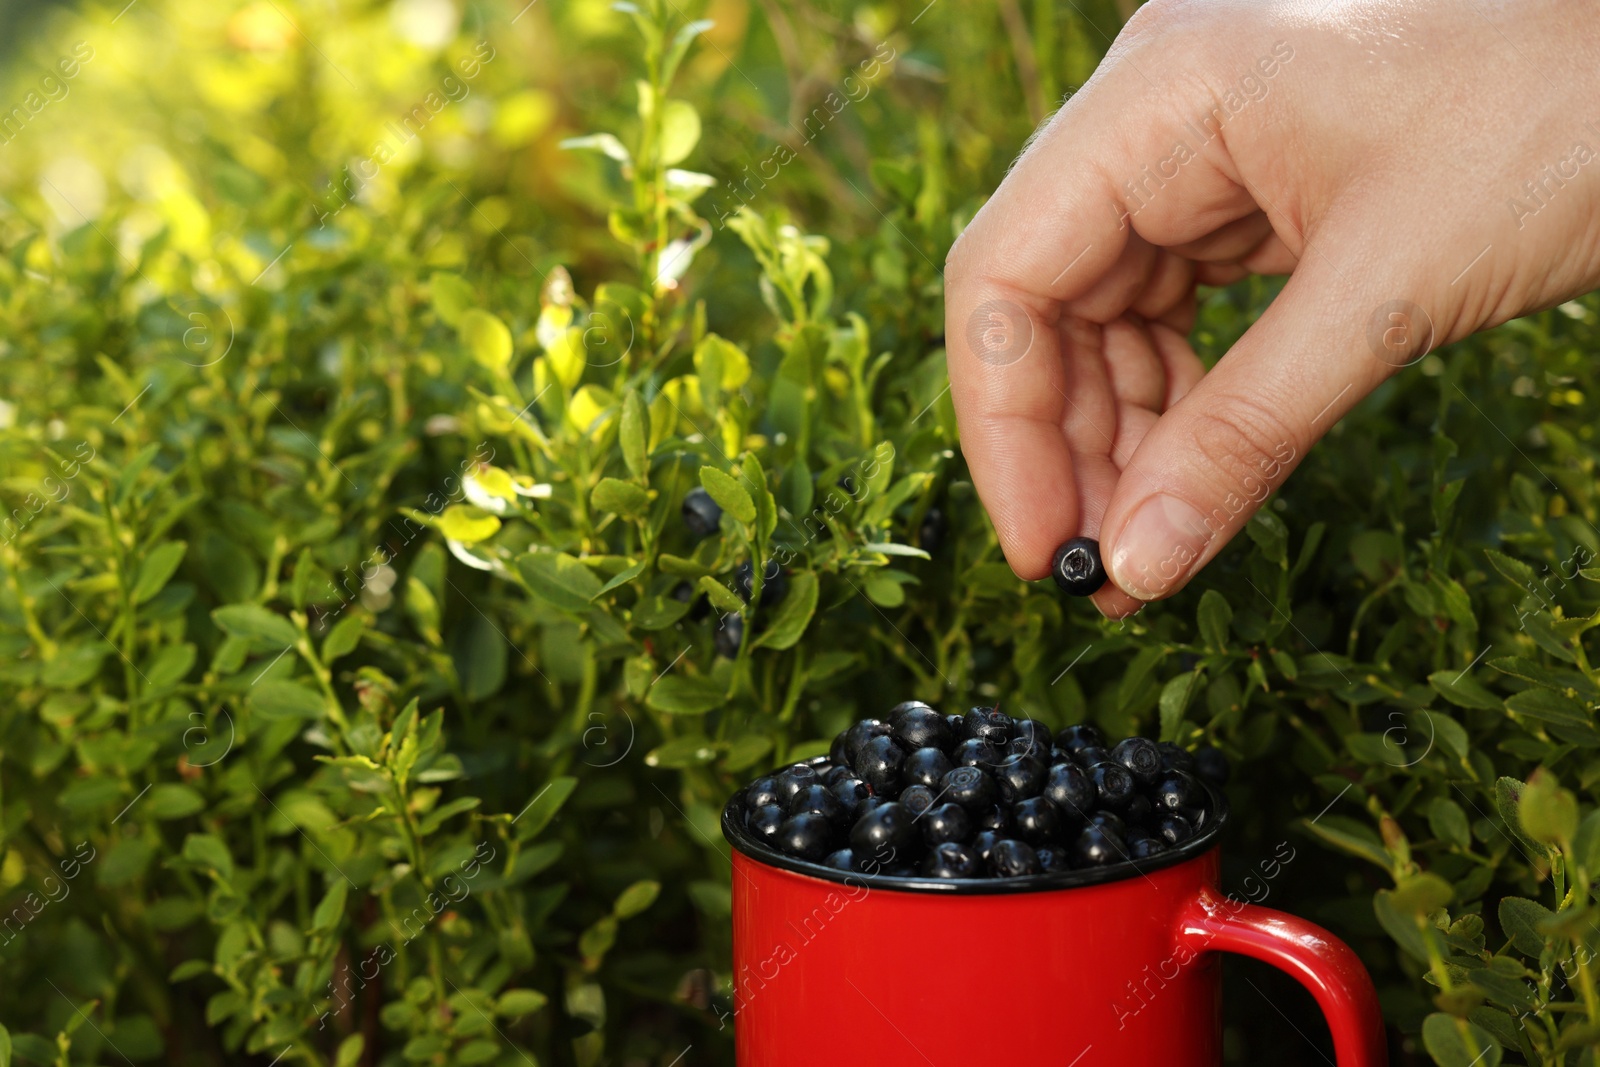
(1421, 169)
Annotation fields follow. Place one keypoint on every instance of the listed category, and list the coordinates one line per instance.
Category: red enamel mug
(1113, 966)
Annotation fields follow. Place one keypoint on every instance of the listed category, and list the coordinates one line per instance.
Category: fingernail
(1158, 547)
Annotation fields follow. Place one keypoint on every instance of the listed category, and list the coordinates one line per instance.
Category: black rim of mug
(740, 838)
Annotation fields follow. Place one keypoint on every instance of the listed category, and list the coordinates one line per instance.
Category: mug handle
(1315, 958)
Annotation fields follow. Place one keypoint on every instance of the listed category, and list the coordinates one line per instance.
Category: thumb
(1212, 459)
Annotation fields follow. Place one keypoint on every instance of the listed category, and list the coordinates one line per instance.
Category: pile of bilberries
(982, 795)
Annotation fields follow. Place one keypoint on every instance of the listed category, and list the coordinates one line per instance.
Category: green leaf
(1548, 706)
(1463, 690)
(543, 807)
(515, 1003)
(1514, 571)
(1174, 701)
(35, 1049)
(486, 338)
(468, 523)
(624, 576)
(1520, 919)
(343, 638)
(681, 694)
(1586, 842)
(695, 750)
(170, 666)
(481, 1050)
(1507, 799)
(680, 132)
(890, 548)
(124, 861)
(1549, 813)
(620, 498)
(559, 579)
(1421, 894)
(729, 493)
(5, 1047)
(755, 479)
(173, 800)
(157, 569)
(452, 297)
(1449, 823)
(257, 623)
(1214, 615)
(1455, 1042)
(636, 898)
(331, 908)
(207, 850)
(596, 941)
(794, 614)
(1403, 927)
(1356, 838)
(1270, 535)
(746, 752)
(350, 1048)
(722, 598)
(634, 434)
(1572, 683)
(276, 700)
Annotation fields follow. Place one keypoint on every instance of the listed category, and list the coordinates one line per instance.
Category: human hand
(1421, 169)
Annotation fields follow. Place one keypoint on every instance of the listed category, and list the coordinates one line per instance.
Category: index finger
(1055, 231)
(1047, 235)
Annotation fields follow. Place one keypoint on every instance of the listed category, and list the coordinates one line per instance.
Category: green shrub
(354, 711)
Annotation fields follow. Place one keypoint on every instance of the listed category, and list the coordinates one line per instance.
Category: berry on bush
(701, 514)
(1212, 765)
(774, 584)
(729, 636)
(930, 535)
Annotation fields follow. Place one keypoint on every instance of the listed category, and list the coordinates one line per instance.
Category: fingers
(1205, 468)
(1056, 250)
